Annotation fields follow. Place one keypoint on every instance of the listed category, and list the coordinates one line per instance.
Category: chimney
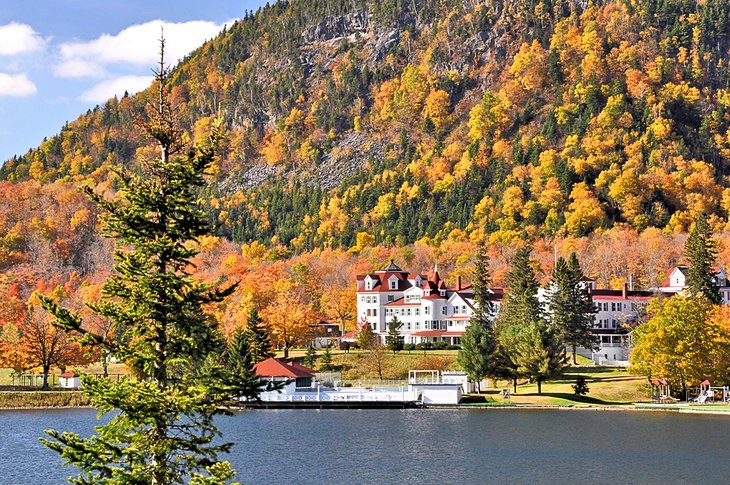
(458, 283)
(624, 291)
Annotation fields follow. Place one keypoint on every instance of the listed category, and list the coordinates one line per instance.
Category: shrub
(580, 388)
(409, 346)
(440, 345)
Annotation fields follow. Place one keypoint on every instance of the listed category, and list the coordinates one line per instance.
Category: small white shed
(69, 380)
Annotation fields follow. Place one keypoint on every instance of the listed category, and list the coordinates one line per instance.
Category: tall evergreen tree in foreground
(570, 307)
(701, 252)
(478, 342)
(162, 429)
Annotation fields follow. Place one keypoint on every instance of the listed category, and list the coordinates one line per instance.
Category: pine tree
(536, 353)
(326, 363)
(238, 353)
(478, 343)
(310, 357)
(477, 354)
(570, 307)
(393, 340)
(521, 305)
(482, 295)
(520, 310)
(701, 253)
(257, 337)
(162, 429)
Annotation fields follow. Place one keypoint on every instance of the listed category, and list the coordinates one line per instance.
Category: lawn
(607, 385)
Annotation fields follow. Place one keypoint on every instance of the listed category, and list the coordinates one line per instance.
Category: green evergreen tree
(162, 429)
(238, 352)
(478, 343)
(257, 337)
(477, 354)
(310, 357)
(536, 352)
(701, 253)
(393, 340)
(521, 306)
(482, 295)
(326, 363)
(520, 309)
(570, 308)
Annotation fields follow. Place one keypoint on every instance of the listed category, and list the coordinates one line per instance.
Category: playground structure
(660, 392)
(706, 393)
(709, 393)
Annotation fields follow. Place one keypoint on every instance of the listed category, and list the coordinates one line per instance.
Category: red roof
(272, 367)
(705, 383)
(436, 333)
(400, 302)
(68, 375)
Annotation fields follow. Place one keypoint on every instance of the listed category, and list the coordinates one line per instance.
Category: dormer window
(443, 292)
(368, 283)
(393, 284)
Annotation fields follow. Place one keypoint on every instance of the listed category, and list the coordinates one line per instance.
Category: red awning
(654, 382)
(436, 333)
(705, 383)
(664, 382)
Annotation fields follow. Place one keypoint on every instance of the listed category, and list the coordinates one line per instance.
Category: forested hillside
(362, 130)
(414, 119)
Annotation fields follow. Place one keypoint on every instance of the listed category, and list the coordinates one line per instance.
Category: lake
(423, 446)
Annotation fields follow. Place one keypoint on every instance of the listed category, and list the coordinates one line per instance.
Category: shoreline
(633, 407)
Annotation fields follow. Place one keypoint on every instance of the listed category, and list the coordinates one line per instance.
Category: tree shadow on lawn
(577, 399)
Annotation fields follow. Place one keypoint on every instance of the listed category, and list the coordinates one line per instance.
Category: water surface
(424, 446)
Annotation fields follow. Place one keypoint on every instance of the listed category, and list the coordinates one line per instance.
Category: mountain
(409, 120)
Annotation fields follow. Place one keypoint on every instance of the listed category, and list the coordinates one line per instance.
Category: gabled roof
(272, 367)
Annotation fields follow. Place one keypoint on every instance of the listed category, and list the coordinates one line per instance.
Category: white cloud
(18, 38)
(79, 68)
(16, 85)
(116, 87)
(135, 46)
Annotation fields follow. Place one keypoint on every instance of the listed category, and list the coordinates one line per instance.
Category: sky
(59, 58)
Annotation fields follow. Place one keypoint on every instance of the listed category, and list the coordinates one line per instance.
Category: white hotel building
(429, 311)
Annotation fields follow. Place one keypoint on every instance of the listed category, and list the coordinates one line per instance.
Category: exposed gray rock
(349, 155)
(335, 27)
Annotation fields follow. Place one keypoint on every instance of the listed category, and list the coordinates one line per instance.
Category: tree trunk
(286, 350)
(575, 357)
(539, 386)
(514, 384)
(46, 371)
(105, 363)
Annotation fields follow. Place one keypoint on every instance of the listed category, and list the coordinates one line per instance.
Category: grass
(608, 386)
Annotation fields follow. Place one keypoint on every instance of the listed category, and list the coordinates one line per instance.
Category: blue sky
(59, 58)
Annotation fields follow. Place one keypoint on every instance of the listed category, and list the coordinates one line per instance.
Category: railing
(349, 395)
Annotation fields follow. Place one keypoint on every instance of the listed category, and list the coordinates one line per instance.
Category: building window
(445, 311)
(418, 312)
(427, 310)
(391, 297)
(375, 312)
(393, 284)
